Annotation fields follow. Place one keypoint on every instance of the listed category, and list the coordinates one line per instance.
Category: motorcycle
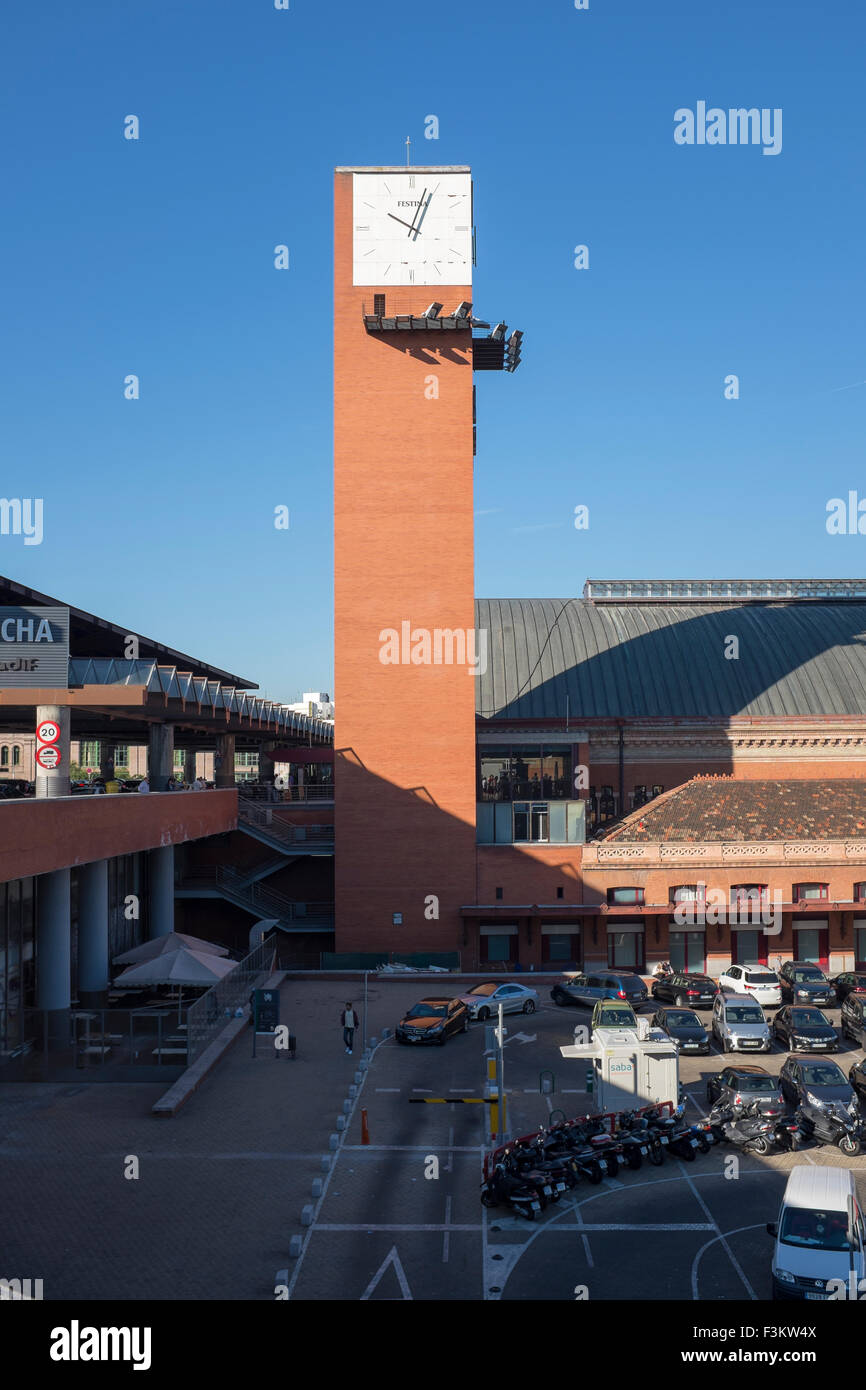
(504, 1187)
(597, 1142)
(751, 1127)
(832, 1123)
(675, 1135)
(638, 1125)
(634, 1145)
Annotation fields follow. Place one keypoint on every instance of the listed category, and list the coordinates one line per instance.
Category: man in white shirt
(144, 785)
(349, 1020)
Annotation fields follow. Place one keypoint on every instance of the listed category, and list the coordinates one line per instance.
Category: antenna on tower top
(408, 143)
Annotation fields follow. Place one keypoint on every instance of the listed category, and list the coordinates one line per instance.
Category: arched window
(16, 755)
(4, 755)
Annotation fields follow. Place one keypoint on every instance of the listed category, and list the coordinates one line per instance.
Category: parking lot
(401, 1217)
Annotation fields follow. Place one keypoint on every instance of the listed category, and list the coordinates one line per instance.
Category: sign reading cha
(34, 646)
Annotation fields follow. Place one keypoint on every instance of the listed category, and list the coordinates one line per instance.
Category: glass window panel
(540, 829)
(556, 772)
(495, 772)
(498, 947)
(859, 946)
(527, 768)
(625, 949)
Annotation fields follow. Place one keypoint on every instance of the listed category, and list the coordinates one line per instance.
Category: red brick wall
(403, 541)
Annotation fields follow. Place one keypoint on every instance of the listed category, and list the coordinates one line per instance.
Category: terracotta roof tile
(724, 808)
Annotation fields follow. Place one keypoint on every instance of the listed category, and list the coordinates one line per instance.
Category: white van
(817, 1247)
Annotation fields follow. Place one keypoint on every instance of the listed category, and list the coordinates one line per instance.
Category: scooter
(832, 1123)
(634, 1146)
(503, 1186)
(674, 1134)
(600, 1144)
(639, 1126)
(751, 1127)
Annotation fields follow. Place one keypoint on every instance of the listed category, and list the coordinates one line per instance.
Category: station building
(84, 878)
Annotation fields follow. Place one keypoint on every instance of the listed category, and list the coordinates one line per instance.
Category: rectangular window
(687, 952)
(807, 892)
(860, 948)
(379, 304)
(494, 764)
(625, 949)
(625, 896)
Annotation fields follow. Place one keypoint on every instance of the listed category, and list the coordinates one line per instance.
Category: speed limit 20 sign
(48, 731)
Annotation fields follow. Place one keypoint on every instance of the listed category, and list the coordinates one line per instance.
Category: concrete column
(160, 756)
(53, 941)
(189, 765)
(160, 915)
(93, 933)
(55, 781)
(225, 761)
(106, 760)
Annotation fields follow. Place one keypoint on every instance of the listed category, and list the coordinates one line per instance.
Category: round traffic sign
(48, 756)
(48, 731)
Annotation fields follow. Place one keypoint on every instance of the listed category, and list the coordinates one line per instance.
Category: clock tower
(405, 644)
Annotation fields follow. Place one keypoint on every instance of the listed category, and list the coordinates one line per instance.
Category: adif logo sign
(76, 1343)
(737, 126)
(439, 646)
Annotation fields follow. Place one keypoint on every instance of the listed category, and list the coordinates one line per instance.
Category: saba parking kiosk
(628, 1068)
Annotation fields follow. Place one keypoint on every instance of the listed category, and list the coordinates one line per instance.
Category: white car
(758, 981)
(483, 1001)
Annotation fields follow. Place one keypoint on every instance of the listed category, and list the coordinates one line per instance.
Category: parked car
(433, 1020)
(684, 1026)
(813, 1241)
(849, 983)
(692, 991)
(587, 989)
(13, 788)
(739, 1085)
(612, 1013)
(857, 1079)
(762, 984)
(853, 1013)
(739, 1024)
(803, 983)
(814, 1083)
(483, 1001)
(804, 1030)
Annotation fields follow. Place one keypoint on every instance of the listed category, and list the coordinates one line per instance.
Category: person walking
(350, 1022)
(144, 785)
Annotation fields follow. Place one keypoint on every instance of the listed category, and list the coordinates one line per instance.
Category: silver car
(483, 1000)
(739, 1024)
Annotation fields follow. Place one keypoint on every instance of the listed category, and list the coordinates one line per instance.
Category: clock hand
(417, 210)
(399, 219)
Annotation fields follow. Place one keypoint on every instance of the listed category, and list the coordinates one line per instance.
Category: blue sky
(156, 257)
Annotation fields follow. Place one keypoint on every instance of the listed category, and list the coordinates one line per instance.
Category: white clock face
(412, 228)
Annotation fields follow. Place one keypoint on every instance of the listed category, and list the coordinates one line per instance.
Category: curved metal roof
(655, 660)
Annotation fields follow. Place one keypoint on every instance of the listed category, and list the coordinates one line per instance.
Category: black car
(849, 983)
(857, 1078)
(605, 984)
(684, 1026)
(853, 1013)
(742, 1085)
(433, 1020)
(686, 991)
(801, 982)
(804, 1030)
(814, 1083)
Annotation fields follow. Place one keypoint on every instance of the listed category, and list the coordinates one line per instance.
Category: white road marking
(391, 1258)
(446, 1239)
(724, 1239)
(432, 1226)
(421, 1091)
(725, 1246)
(387, 1090)
(449, 1166)
(461, 1091)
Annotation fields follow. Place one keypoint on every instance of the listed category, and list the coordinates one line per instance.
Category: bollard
(359, 1077)
(373, 1042)
(282, 1277)
(333, 1142)
(386, 1033)
(347, 1105)
(326, 1162)
(296, 1245)
(363, 1064)
(307, 1216)
(341, 1122)
(318, 1187)
(353, 1091)
(365, 1131)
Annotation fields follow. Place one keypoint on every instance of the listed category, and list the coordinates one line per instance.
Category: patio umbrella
(172, 941)
(179, 967)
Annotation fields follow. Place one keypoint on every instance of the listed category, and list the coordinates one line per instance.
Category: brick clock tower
(405, 644)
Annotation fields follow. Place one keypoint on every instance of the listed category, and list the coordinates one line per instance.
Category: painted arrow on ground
(522, 1038)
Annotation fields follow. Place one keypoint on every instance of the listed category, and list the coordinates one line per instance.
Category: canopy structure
(179, 967)
(172, 941)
